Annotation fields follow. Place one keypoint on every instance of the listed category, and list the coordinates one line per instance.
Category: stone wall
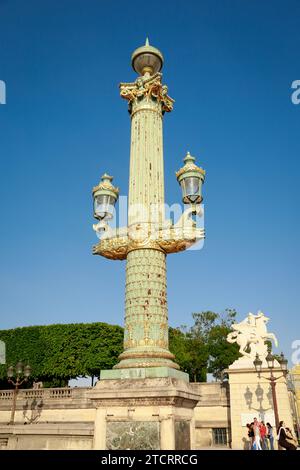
(250, 397)
(63, 418)
(211, 413)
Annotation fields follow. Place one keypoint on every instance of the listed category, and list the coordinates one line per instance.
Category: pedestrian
(250, 435)
(257, 437)
(285, 437)
(270, 436)
(263, 435)
(291, 438)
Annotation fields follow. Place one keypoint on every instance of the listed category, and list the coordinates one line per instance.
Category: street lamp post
(272, 379)
(149, 236)
(17, 376)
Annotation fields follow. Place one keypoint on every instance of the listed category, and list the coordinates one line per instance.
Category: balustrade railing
(6, 394)
(44, 393)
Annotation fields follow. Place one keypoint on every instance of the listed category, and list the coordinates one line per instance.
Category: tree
(222, 353)
(58, 353)
(209, 334)
(203, 323)
(190, 353)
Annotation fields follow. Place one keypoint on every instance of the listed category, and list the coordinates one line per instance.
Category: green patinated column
(153, 407)
(148, 238)
(146, 317)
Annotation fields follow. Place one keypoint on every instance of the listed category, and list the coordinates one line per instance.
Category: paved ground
(214, 448)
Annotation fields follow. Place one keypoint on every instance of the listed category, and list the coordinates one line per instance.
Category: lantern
(19, 368)
(283, 363)
(27, 371)
(191, 177)
(105, 197)
(10, 372)
(258, 364)
(270, 360)
(147, 59)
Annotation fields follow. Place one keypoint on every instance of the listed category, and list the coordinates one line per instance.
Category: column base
(144, 414)
(143, 373)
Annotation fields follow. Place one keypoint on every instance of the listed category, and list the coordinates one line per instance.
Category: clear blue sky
(229, 65)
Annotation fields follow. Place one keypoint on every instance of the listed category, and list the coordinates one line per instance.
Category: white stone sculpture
(251, 335)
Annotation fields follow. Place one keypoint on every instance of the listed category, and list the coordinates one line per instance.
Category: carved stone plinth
(144, 414)
(144, 373)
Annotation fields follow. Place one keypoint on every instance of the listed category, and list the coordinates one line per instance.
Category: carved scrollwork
(117, 243)
(115, 248)
(147, 88)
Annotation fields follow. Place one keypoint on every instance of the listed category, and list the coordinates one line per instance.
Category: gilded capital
(149, 88)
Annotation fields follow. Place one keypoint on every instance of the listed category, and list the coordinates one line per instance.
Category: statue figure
(251, 336)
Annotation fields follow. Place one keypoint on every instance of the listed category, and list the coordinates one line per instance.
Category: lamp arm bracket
(118, 242)
(263, 377)
(270, 379)
(186, 221)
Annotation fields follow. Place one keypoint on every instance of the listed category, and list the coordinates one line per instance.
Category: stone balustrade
(211, 393)
(63, 418)
(47, 393)
(51, 397)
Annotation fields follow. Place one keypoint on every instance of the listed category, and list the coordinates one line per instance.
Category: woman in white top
(257, 437)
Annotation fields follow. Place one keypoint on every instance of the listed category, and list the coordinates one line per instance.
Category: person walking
(270, 436)
(257, 437)
(285, 437)
(291, 437)
(250, 435)
(263, 435)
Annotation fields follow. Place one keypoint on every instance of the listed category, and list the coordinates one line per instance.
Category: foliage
(203, 347)
(189, 354)
(221, 353)
(57, 353)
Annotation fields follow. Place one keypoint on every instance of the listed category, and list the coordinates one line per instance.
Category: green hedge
(58, 353)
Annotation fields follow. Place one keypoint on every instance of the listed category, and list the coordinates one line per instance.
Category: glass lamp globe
(27, 371)
(105, 197)
(191, 177)
(10, 372)
(19, 368)
(258, 364)
(147, 59)
(283, 363)
(270, 360)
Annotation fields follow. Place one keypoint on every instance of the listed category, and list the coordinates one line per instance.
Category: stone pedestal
(251, 397)
(144, 373)
(144, 414)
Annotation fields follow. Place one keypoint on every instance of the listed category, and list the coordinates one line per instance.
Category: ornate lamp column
(146, 318)
(149, 237)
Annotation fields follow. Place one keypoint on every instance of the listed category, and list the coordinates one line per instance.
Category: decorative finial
(147, 41)
(188, 158)
(106, 177)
